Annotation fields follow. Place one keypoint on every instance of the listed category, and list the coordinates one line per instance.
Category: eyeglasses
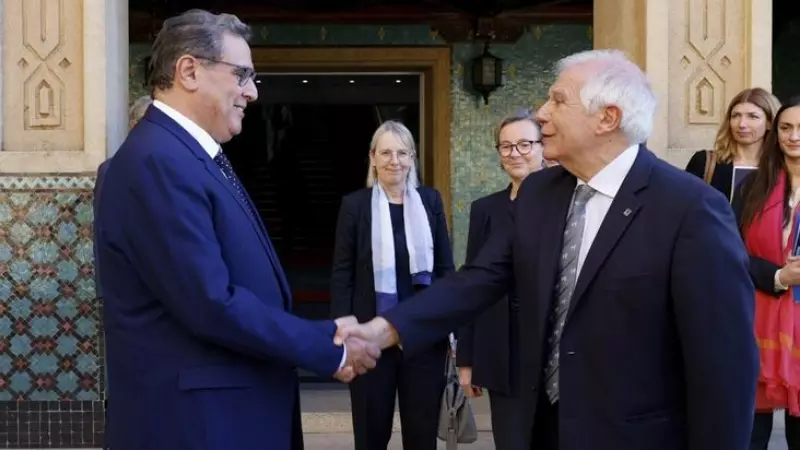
(523, 147)
(243, 74)
(386, 155)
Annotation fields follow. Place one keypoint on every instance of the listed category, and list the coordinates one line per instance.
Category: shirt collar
(200, 135)
(609, 179)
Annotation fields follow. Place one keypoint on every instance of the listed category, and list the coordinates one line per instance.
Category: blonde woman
(488, 349)
(391, 241)
(739, 139)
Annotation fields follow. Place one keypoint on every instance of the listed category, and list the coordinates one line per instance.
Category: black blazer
(762, 271)
(662, 298)
(484, 345)
(352, 281)
(723, 172)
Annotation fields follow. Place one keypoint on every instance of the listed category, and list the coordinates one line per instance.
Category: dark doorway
(785, 51)
(304, 145)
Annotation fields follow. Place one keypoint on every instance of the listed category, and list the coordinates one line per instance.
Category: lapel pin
(627, 212)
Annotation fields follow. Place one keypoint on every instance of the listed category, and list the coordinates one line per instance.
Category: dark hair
(770, 166)
(196, 32)
(517, 116)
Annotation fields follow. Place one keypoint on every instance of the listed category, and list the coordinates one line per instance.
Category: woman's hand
(790, 273)
(465, 380)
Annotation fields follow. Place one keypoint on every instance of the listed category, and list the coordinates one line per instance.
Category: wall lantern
(487, 73)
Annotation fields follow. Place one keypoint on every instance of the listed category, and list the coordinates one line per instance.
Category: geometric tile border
(46, 182)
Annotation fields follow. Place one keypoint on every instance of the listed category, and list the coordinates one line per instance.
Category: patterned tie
(227, 169)
(567, 278)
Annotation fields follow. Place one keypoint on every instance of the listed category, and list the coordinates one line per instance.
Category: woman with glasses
(391, 241)
(487, 354)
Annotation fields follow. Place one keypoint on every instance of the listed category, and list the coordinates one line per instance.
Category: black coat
(485, 344)
(352, 281)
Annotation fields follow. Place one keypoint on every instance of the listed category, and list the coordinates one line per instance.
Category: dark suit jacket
(485, 344)
(202, 349)
(663, 298)
(352, 281)
(723, 172)
(762, 271)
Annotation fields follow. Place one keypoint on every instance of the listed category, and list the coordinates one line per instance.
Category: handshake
(363, 343)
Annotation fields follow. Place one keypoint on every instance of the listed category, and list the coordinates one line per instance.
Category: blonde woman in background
(391, 242)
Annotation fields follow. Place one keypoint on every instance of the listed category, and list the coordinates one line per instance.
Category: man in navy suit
(635, 300)
(202, 348)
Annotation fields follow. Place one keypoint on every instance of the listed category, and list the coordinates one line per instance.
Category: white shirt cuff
(778, 285)
(344, 357)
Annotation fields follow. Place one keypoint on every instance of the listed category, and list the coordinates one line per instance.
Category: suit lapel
(556, 207)
(621, 214)
(257, 224)
(155, 115)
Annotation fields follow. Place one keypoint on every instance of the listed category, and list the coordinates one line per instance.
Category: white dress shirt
(200, 135)
(607, 183)
(211, 147)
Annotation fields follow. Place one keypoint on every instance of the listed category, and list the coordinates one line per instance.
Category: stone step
(326, 409)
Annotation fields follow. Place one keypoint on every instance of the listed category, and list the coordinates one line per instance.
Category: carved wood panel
(706, 67)
(43, 75)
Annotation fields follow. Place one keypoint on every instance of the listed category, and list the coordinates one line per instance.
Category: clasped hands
(363, 344)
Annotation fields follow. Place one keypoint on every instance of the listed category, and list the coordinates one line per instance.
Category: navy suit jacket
(488, 344)
(202, 350)
(658, 351)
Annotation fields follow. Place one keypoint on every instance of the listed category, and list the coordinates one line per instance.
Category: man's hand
(377, 331)
(345, 375)
(465, 380)
(362, 355)
(343, 322)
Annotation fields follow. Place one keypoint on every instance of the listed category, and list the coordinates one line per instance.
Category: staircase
(264, 191)
(313, 239)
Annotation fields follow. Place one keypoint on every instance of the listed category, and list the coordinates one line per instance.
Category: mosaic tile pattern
(51, 384)
(46, 182)
(475, 166)
(49, 319)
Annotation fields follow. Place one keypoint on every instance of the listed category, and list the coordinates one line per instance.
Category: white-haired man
(632, 278)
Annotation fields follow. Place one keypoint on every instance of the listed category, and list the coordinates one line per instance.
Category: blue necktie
(227, 170)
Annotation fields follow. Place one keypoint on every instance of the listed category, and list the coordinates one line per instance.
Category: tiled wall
(51, 384)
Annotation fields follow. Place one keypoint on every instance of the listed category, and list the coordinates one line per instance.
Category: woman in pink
(767, 207)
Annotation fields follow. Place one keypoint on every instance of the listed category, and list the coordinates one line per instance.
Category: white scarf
(419, 241)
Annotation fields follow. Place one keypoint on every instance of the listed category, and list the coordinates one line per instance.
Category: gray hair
(517, 116)
(621, 83)
(197, 33)
(402, 133)
(138, 108)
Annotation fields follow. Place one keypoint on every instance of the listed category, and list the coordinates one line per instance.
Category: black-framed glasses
(243, 74)
(523, 147)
